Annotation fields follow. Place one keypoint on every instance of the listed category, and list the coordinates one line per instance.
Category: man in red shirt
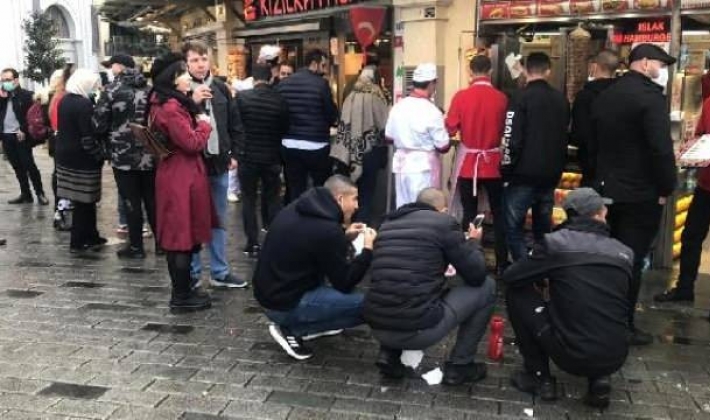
(696, 228)
(478, 114)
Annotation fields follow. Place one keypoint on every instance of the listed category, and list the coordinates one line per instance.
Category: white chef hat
(268, 53)
(425, 72)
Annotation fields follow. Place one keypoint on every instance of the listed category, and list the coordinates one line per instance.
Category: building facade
(77, 23)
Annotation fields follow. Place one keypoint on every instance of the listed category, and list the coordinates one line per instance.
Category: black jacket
(582, 124)
(414, 246)
(535, 136)
(21, 103)
(229, 127)
(632, 141)
(265, 118)
(589, 275)
(77, 146)
(311, 107)
(305, 245)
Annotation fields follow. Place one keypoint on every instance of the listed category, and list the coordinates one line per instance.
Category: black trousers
(636, 226)
(303, 164)
(494, 189)
(372, 162)
(250, 176)
(83, 229)
(696, 230)
(537, 342)
(19, 154)
(179, 269)
(137, 188)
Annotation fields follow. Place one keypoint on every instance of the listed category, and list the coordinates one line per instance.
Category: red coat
(478, 113)
(184, 210)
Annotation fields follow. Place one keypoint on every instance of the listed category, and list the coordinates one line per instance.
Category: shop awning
(128, 12)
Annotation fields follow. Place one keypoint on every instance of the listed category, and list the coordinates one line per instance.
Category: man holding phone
(409, 307)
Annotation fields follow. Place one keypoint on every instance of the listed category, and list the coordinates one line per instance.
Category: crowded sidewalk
(91, 336)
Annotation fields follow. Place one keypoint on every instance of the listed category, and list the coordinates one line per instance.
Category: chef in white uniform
(416, 128)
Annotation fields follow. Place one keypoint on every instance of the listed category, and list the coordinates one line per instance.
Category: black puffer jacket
(311, 107)
(589, 275)
(635, 161)
(265, 118)
(535, 136)
(414, 246)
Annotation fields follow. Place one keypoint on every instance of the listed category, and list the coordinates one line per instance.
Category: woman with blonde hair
(79, 158)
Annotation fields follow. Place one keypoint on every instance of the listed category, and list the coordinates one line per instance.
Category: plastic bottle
(495, 340)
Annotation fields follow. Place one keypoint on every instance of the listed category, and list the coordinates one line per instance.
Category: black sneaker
(675, 295)
(191, 302)
(598, 393)
(291, 344)
(97, 244)
(459, 374)
(390, 364)
(3, 241)
(131, 253)
(230, 281)
(544, 387)
(637, 337)
(195, 282)
(42, 200)
(21, 200)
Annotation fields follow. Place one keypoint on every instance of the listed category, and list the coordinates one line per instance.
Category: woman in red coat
(184, 210)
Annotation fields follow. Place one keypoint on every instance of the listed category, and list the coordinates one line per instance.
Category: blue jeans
(321, 309)
(517, 200)
(219, 267)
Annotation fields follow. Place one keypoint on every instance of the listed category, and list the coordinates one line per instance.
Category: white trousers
(407, 186)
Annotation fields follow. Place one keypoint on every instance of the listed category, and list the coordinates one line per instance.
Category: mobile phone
(478, 221)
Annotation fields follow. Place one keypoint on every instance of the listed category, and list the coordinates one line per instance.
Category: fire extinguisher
(495, 340)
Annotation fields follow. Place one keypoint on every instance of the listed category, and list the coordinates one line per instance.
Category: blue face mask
(8, 86)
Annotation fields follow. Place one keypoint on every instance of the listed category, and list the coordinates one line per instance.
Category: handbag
(155, 142)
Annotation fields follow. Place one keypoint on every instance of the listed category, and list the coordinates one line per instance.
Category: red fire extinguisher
(495, 340)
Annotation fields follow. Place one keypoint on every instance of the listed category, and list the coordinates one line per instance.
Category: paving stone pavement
(92, 338)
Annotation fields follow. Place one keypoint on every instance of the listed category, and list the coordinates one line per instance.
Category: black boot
(131, 253)
(544, 387)
(598, 392)
(389, 363)
(183, 298)
(22, 199)
(459, 374)
(42, 200)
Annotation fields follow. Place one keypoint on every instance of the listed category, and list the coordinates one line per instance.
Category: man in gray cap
(568, 302)
(631, 156)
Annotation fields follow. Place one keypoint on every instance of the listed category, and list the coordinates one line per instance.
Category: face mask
(8, 86)
(662, 79)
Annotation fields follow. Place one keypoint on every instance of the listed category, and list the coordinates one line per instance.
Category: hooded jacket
(535, 136)
(632, 141)
(305, 246)
(124, 101)
(414, 246)
(589, 275)
(582, 124)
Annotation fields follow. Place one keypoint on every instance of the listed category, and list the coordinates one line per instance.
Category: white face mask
(662, 79)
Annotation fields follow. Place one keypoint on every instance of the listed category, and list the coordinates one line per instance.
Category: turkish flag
(367, 24)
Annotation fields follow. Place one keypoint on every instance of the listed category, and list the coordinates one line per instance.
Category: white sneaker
(233, 198)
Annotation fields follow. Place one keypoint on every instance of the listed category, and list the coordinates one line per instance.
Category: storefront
(572, 31)
(351, 32)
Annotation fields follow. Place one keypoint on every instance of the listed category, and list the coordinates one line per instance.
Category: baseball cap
(124, 59)
(584, 201)
(425, 72)
(651, 52)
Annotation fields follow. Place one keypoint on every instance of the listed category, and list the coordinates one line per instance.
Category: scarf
(361, 126)
(213, 141)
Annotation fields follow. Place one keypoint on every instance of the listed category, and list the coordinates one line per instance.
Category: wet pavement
(92, 337)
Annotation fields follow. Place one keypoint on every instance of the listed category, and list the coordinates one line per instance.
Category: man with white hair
(416, 127)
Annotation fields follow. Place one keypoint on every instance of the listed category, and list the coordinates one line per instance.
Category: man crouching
(568, 302)
(305, 245)
(409, 306)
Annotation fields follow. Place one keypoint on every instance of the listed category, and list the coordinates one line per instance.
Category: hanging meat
(578, 50)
